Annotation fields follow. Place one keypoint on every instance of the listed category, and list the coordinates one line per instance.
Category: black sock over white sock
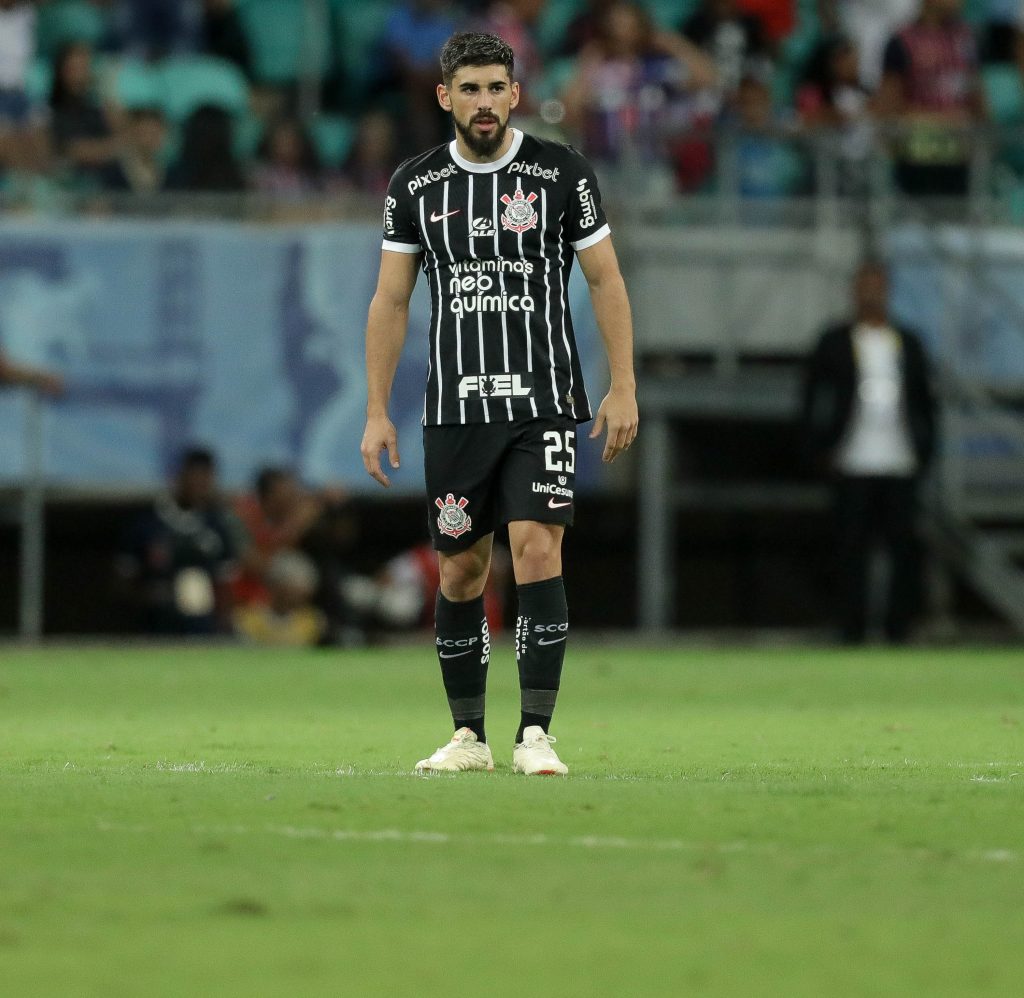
(541, 633)
(463, 649)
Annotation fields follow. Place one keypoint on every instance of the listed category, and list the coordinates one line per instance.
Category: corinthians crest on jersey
(497, 243)
(519, 214)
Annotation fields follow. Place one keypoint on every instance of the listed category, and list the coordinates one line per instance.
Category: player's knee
(463, 578)
(538, 556)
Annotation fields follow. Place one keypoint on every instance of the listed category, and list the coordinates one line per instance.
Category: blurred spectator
(277, 518)
(1001, 32)
(768, 164)
(778, 17)
(584, 28)
(412, 41)
(83, 139)
(207, 161)
(869, 24)
(930, 85)
(633, 88)
(288, 618)
(734, 40)
(832, 97)
(402, 594)
(223, 35)
(155, 28)
(139, 166)
(178, 558)
(282, 516)
(869, 415)
(374, 154)
(287, 162)
(17, 46)
(21, 375)
(515, 21)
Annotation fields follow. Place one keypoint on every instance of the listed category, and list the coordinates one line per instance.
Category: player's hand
(619, 413)
(380, 434)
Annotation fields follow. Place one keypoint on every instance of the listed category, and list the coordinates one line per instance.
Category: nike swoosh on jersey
(553, 641)
(435, 217)
(557, 505)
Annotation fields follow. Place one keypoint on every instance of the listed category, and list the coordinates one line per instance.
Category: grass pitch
(754, 823)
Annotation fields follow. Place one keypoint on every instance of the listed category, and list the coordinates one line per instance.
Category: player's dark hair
(474, 48)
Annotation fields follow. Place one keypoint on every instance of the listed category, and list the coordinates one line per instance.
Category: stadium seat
(248, 134)
(191, 82)
(359, 25)
(66, 21)
(179, 85)
(671, 13)
(554, 19)
(333, 136)
(557, 74)
(138, 85)
(285, 40)
(39, 81)
(1003, 93)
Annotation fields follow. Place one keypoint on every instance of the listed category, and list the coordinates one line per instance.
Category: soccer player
(494, 219)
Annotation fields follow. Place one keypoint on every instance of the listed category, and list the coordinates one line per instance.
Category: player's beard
(481, 144)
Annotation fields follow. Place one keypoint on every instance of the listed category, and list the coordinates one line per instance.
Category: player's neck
(467, 154)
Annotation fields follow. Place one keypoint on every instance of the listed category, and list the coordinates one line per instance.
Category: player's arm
(618, 409)
(386, 327)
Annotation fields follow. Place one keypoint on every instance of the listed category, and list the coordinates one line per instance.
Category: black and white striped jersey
(498, 241)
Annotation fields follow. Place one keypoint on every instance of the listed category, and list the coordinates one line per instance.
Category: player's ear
(443, 97)
(515, 96)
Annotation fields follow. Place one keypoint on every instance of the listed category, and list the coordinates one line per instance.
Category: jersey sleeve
(401, 234)
(586, 223)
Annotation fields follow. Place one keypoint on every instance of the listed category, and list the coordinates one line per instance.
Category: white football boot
(462, 753)
(534, 756)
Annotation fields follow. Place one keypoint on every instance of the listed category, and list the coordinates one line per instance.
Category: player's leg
(541, 631)
(462, 636)
(461, 520)
(536, 500)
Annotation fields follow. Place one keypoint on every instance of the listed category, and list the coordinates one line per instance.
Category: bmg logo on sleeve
(587, 205)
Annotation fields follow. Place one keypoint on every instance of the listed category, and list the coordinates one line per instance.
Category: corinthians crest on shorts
(519, 214)
(453, 519)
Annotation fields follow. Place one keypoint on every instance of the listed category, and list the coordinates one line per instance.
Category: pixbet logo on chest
(534, 170)
(430, 177)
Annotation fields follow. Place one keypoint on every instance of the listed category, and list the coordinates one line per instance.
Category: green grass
(753, 823)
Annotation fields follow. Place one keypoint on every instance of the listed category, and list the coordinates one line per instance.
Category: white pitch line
(611, 843)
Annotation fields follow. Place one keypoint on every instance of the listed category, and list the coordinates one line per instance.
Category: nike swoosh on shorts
(557, 505)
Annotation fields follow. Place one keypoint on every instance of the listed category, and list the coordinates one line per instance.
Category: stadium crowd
(292, 98)
(273, 566)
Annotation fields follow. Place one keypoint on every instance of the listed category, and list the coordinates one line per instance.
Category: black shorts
(482, 475)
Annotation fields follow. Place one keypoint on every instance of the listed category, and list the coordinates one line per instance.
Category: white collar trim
(498, 164)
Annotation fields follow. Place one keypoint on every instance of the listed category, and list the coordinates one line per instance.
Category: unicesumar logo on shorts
(453, 519)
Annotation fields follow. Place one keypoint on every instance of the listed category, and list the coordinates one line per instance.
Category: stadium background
(170, 314)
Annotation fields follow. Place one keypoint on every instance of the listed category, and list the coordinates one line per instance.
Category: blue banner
(245, 339)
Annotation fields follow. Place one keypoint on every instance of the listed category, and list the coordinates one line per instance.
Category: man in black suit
(869, 416)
